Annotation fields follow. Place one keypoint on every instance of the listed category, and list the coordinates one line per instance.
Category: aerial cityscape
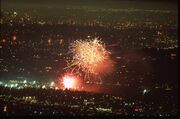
(89, 58)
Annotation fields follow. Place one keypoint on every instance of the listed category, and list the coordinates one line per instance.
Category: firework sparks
(69, 81)
(90, 56)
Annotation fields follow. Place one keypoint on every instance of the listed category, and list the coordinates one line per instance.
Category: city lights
(117, 58)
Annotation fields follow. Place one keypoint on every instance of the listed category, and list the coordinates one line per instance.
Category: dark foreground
(32, 101)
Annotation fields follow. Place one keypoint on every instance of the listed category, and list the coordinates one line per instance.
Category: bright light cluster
(68, 81)
(88, 55)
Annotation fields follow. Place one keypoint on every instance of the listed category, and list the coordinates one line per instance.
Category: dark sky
(144, 4)
(75, 1)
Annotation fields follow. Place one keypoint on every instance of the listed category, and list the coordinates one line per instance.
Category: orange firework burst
(90, 56)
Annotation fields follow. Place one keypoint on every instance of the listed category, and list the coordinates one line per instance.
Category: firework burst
(89, 56)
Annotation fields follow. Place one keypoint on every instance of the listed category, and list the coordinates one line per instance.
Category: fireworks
(90, 56)
(68, 81)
